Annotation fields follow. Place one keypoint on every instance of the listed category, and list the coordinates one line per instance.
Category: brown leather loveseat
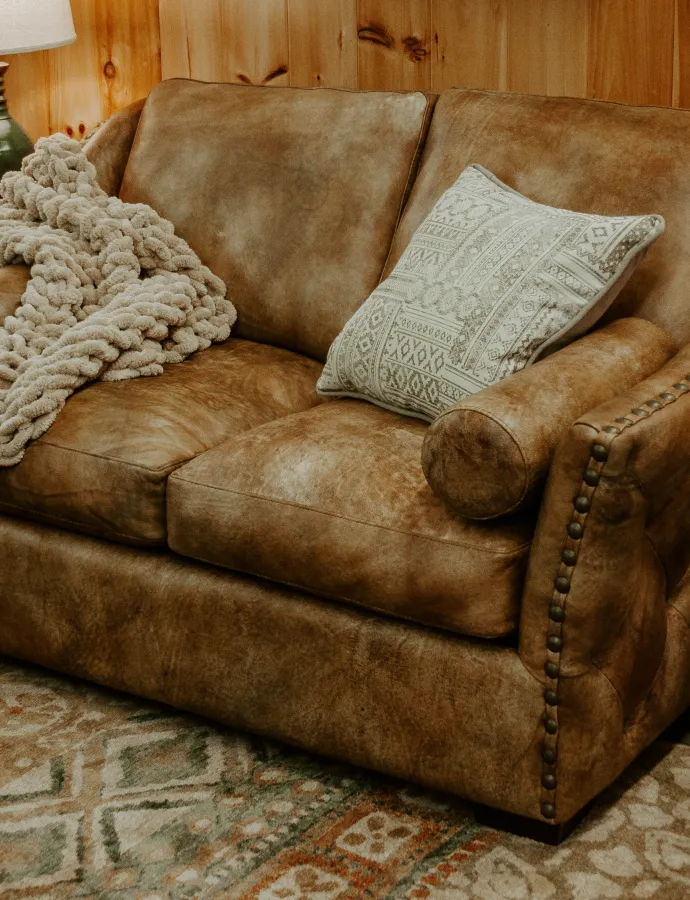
(220, 539)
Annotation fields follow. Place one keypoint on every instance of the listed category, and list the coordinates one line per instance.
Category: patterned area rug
(103, 796)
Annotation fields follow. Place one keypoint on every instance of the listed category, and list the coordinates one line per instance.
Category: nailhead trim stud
(569, 557)
(582, 504)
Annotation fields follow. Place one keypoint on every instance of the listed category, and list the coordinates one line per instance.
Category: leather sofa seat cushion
(291, 196)
(102, 467)
(334, 501)
(585, 155)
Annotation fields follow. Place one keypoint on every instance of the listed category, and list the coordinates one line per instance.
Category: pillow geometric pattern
(489, 281)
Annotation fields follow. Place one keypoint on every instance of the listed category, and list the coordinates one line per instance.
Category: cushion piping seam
(423, 131)
(123, 462)
(210, 487)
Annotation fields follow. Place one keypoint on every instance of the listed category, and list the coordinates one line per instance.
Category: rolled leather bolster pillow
(489, 454)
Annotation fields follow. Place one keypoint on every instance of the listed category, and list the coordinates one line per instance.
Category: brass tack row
(599, 454)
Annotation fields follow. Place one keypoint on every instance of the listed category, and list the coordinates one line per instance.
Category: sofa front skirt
(452, 713)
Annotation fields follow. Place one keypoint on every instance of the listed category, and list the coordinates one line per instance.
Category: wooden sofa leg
(529, 828)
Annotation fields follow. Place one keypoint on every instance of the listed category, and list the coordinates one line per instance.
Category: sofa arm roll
(605, 618)
(489, 454)
(611, 545)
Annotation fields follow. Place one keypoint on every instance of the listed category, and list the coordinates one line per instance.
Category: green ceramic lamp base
(15, 144)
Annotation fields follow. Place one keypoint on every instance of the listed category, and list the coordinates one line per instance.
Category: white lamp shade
(27, 25)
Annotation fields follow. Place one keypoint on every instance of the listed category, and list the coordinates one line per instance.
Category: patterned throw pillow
(489, 281)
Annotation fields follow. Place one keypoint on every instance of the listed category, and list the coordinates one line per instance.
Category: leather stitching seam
(680, 614)
(421, 138)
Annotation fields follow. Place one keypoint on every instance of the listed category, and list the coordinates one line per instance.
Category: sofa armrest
(109, 147)
(605, 619)
(612, 541)
(489, 454)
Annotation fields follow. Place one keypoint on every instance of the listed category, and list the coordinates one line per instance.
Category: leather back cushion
(291, 196)
(584, 155)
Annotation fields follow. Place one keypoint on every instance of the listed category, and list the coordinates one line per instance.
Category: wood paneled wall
(636, 51)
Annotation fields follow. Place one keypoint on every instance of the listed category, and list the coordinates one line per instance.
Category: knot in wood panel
(377, 34)
(415, 49)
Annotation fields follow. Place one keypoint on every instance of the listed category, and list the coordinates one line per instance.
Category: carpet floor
(105, 796)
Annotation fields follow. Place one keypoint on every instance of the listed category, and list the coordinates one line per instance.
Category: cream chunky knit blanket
(114, 294)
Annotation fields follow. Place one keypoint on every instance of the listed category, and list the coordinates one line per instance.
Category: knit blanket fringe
(114, 293)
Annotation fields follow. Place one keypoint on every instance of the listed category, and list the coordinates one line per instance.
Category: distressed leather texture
(624, 629)
(231, 454)
(108, 149)
(489, 455)
(334, 501)
(596, 740)
(585, 155)
(102, 467)
(634, 549)
(448, 712)
(290, 196)
(13, 282)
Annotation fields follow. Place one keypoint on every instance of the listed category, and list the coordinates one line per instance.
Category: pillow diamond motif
(489, 281)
